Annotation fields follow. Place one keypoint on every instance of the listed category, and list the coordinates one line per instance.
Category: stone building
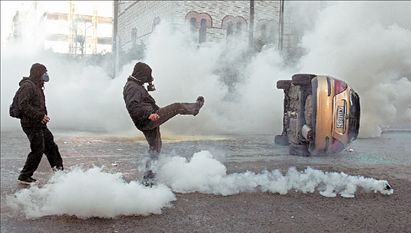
(208, 21)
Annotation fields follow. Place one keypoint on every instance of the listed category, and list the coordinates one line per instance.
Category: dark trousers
(152, 130)
(41, 142)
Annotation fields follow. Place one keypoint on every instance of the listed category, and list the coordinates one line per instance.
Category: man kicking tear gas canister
(147, 116)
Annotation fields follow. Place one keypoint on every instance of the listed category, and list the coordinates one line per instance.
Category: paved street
(385, 158)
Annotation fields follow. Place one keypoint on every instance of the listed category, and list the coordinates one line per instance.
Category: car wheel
(283, 84)
(300, 150)
(281, 140)
(302, 79)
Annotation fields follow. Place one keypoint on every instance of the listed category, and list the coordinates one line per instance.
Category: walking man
(147, 116)
(29, 105)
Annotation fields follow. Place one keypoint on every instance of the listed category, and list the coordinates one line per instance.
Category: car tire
(281, 140)
(300, 150)
(283, 84)
(302, 79)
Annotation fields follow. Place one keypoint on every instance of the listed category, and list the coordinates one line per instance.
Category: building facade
(68, 27)
(208, 21)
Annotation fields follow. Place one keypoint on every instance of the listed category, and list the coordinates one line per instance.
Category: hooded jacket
(138, 102)
(31, 98)
(32, 103)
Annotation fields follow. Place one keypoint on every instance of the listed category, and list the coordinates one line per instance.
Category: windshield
(354, 118)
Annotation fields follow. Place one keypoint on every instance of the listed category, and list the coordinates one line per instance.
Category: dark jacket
(32, 103)
(139, 103)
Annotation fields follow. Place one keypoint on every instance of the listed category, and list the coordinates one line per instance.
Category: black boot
(200, 103)
(57, 168)
(26, 180)
(149, 178)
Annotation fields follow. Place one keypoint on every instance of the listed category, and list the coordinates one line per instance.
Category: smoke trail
(202, 173)
(94, 193)
(91, 193)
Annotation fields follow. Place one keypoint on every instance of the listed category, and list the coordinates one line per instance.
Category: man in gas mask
(147, 116)
(30, 104)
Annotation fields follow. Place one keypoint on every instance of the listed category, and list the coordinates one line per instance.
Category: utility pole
(94, 22)
(72, 32)
(114, 46)
(251, 28)
(281, 26)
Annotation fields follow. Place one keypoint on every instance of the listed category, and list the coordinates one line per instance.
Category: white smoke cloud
(357, 42)
(183, 71)
(83, 97)
(91, 193)
(29, 30)
(78, 97)
(94, 193)
(202, 173)
(368, 44)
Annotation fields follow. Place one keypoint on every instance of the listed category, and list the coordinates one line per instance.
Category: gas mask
(45, 77)
(151, 87)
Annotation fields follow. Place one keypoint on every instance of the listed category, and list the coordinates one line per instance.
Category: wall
(142, 14)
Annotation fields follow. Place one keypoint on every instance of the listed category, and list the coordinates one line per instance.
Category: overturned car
(321, 115)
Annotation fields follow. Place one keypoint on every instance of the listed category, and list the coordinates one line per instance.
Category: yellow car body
(321, 114)
(336, 114)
